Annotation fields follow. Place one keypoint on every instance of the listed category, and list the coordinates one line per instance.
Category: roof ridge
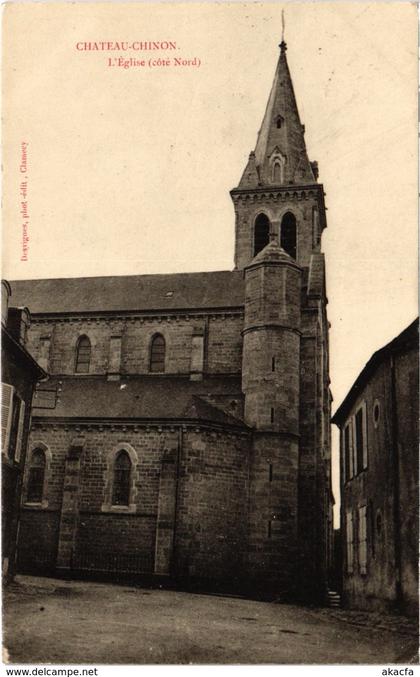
(125, 277)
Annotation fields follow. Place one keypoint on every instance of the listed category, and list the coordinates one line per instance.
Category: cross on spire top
(283, 45)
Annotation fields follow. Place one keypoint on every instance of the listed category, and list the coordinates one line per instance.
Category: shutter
(349, 539)
(343, 455)
(362, 539)
(19, 438)
(353, 461)
(6, 415)
(356, 468)
(365, 437)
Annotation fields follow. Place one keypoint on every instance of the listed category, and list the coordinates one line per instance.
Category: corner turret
(271, 386)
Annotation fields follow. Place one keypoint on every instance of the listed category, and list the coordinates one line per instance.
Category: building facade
(184, 431)
(378, 423)
(20, 373)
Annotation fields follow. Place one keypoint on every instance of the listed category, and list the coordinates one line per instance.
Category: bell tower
(278, 192)
(280, 216)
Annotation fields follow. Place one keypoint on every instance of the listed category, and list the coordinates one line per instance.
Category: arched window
(83, 351)
(278, 163)
(36, 477)
(157, 354)
(121, 480)
(288, 234)
(279, 121)
(261, 233)
(277, 173)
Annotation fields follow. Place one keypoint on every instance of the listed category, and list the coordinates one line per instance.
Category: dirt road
(54, 621)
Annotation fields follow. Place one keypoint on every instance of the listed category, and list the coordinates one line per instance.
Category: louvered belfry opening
(288, 234)
(261, 233)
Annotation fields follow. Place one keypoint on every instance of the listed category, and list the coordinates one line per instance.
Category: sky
(129, 169)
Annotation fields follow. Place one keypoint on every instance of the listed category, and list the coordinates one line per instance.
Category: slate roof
(220, 289)
(287, 137)
(139, 398)
(272, 253)
(409, 338)
(21, 356)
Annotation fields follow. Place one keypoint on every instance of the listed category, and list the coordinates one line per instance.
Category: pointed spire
(280, 152)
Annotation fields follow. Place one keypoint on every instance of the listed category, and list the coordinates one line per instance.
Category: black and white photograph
(210, 334)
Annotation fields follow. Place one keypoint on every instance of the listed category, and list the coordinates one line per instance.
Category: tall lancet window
(277, 167)
(121, 485)
(83, 350)
(261, 233)
(157, 353)
(288, 234)
(36, 477)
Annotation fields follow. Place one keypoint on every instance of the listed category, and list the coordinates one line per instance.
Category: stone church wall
(273, 512)
(314, 462)
(224, 344)
(201, 516)
(53, 344)
(213, 504)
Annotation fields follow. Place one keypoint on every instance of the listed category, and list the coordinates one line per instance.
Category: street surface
(54, 621)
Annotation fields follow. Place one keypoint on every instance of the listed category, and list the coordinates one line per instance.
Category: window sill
(119, 509)
(35, 505)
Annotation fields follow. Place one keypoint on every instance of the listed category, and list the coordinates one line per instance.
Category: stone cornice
(146, 425)
(270, 325)
(128, 316)
(287, 191)
(284, 434)
(266, 263)
(283, 194)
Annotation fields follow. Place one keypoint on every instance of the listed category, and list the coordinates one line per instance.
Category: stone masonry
(185, 423)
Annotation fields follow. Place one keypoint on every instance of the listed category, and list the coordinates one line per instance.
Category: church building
(184, 432)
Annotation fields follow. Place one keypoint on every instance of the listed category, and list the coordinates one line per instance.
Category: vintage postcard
(210, 344)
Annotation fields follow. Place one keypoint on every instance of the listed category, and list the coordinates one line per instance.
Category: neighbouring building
(378, 423)
(20, 373)
(185, 428)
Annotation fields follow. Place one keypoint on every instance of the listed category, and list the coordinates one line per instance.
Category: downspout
(396, 474)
